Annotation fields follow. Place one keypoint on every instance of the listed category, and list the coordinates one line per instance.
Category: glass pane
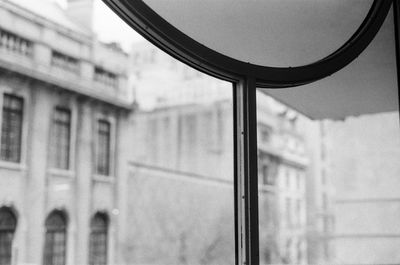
(180, 206)
(328, 188)
(113, 152)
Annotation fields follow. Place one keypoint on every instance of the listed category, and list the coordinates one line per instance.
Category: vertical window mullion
(246, 172)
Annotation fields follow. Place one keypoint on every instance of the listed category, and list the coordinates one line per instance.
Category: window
(11, 128)
(265, 136)
(299, 251)
(65, 62)
(105, 77)
(287, 178)
(298, 180)
(298, 211)
(55, 239)
(323, 176)
(324, 201)
(326, 230)
(98, 240)
(103, 147)
(288, 212)
(268, 179)
(8, 223)
(287, 259)
(60, 139)
(264, 132)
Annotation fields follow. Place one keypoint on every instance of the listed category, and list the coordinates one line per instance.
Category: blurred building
(283, 162)
(188, 128)
(352, 194)
(320, 194)
(364, 169)
(63, 104)
(162, 81)
(180, 207)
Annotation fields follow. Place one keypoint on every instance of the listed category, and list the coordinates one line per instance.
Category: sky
(109, 27)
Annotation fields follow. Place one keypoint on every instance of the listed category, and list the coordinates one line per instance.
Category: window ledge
(104, 178)
(12, 165)
(61, 172)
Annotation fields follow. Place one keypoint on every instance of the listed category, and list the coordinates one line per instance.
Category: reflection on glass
(119, 154)
(333, 198)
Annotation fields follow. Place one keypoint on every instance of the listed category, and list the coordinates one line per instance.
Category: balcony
(39, 61)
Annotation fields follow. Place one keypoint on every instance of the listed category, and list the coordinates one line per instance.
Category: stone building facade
(320, 194)
(283, 162)
(63, 104)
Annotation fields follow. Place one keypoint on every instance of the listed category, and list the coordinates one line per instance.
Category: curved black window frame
(246, 78)
(8, 225)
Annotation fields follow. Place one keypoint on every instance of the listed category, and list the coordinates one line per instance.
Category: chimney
(81, 12)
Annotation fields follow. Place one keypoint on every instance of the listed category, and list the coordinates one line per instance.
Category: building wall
(194, 138)
(320, 194)
(283, 237)
(365, 172)
(32, 188)
(42, 37)
(179, 219)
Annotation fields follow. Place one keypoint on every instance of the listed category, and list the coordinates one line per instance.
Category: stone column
(83, 167)
(37, 122)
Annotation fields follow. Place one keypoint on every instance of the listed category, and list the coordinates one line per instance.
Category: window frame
(71, 59)
(21, 132)
(101, 133)
(52, 232)
(14, 88)
(105, 217)
(174, 42)
(245, 78)
(101, 71)
(111, 119)
(70, 137)
(11, 230)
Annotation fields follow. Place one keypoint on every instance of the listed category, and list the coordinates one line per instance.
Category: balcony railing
(15, 44)
(40, 61)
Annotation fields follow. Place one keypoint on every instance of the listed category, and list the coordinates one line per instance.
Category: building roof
(51, 11)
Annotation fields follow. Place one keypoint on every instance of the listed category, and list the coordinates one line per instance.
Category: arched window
(56, 238)
(8, 224)
(98, 239)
